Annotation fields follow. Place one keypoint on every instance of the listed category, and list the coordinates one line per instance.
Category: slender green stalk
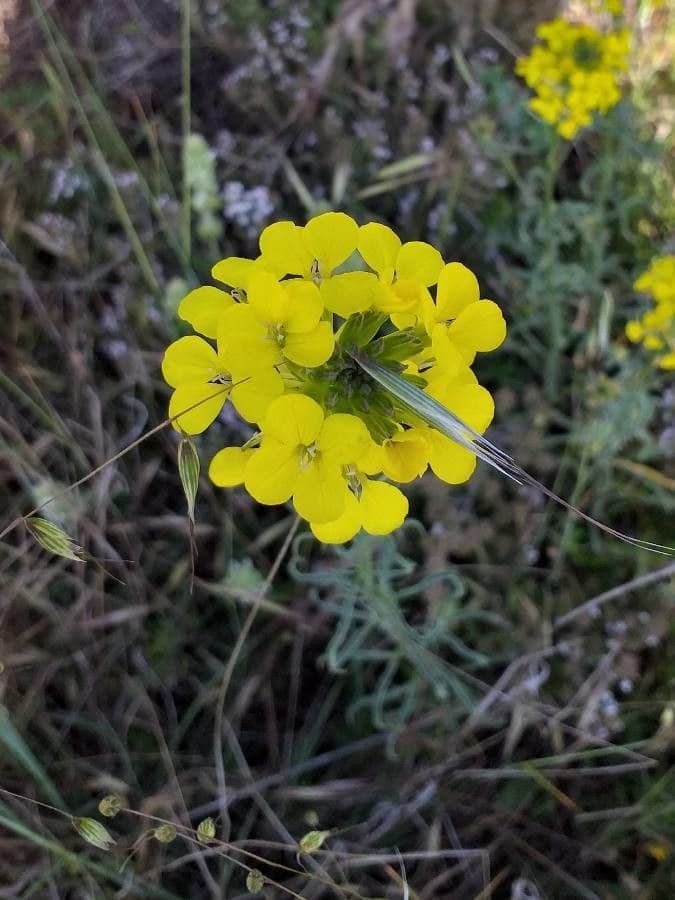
(553, 307)
(185, 120)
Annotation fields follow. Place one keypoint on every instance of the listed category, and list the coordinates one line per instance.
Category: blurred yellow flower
(655, 330)
(575, 72)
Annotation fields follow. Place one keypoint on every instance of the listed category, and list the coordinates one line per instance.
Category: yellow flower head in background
(655, 330)
(327, 434)
(575, 72)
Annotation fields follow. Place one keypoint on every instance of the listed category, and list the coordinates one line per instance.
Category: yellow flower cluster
(286, 332)
(575, 73)
(656, 329)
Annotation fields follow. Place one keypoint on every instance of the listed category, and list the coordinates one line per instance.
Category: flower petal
(349, 293)
(203, 307)
(305, 306)
(243, 341)
(383, 507)
(342, 529)
(294, 420)
(283, 246)
(379, 246)
(343, 439)
(419, 261)
(448, 461)
(189, 359)
(272, 471)
(405, 455)
(268, 298)
(201, 402)
(320, 492)
(479, 326)
(235, 271)
(252, 396)
(310, 348)
(331, 239)
(457, 288)
(228, 466)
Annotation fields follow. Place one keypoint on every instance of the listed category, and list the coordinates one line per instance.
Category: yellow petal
(271, 472)
(471, 403)
(283, 246)
(405, 455)
(243, 342)
(268, 299)
(448, 356)
(448, 461)
(349, 293)
(342, 529)
(667, 362)
(305, 306)
(201, 404)
(479, 326)
(320, 492)
(310, 348)
(228, 466)
(331, 238)
(457, 288)
(383, 507)
(203, 307)
(379, 247)
(252, 396)
(419, 261)
(294, 420)
(189, 359)
(343, 439)
(235, 271)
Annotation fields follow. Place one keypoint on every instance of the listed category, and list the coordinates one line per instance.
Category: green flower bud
(94, 833)
(165, 833)
(255, 881)
(313, 840)
(206, 830)
(110, 805)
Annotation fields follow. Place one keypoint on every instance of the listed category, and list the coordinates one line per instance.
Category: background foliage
(492, 688)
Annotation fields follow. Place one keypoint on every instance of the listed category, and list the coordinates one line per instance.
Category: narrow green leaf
(188, 469)
(15, 748)
(440, 418)
(54, 539)
(406, 166)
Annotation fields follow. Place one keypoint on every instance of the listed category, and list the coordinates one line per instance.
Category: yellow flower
(404, 271)
(228, 466)
(313, 251)
(301, 456)
(656, 329)
(377, 507)
(203, 308)
(281, 321)
(203, 380)
(327, 427)
(575, 72)
(468, 323)
(474, 406)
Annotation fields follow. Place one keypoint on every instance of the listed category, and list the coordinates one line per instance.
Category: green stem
(185, 120)
(553, 307)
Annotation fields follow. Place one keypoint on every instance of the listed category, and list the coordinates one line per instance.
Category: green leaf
(54, 539)
(16, 749)
(188, 469)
